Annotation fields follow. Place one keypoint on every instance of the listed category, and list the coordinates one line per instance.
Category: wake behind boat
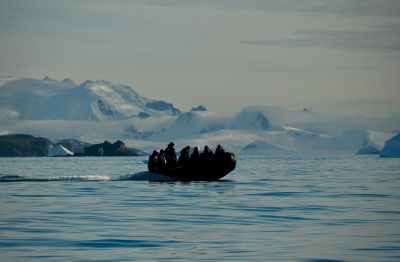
(204, 166)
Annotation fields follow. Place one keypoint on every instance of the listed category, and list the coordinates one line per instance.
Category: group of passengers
(166, 159)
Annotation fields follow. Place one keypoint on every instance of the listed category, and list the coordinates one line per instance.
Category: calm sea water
(309, 208)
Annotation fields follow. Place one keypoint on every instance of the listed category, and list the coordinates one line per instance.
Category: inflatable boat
(202, 170)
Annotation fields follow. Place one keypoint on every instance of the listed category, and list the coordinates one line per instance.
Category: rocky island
(23, 145)
(111, 149)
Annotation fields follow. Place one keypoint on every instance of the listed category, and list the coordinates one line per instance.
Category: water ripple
(302, 208)
(95, 243)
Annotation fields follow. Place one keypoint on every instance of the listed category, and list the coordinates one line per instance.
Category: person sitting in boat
(162, 163)
(184, 156)
(153, 164)
(207, 154)
(195, 156)
(170, 155)
(219, 153)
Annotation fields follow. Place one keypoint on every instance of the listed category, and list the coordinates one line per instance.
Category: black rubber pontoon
(203, 170)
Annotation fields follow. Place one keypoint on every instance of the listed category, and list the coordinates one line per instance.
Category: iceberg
(59, 151)
(369, 148)
(391, 147)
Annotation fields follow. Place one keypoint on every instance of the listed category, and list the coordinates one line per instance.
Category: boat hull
(210, 170)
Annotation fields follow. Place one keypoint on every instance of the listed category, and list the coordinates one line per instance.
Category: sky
(224, 54)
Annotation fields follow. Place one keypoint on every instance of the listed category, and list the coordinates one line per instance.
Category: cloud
(338, 7)
(314, 68)
(367, 101)
(381, 39)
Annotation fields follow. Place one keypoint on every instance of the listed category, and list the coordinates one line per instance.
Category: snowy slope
(348, 140)
(198, 122)
(249, 118)
(328, 122)
(49, 99)
(262, 147)
(192, 124)
(297, 139)
(27, 98)
(253, 118)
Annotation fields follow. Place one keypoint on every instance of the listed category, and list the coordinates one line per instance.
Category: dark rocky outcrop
(199, 108)
(69, 81)
(143, 115)
(21, 145)
(163, 106)
(111, 149)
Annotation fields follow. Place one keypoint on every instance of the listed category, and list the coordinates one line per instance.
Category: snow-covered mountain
(64, 109)
(49, 99)
(193, 124)
(250, 118)
(199, 122)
